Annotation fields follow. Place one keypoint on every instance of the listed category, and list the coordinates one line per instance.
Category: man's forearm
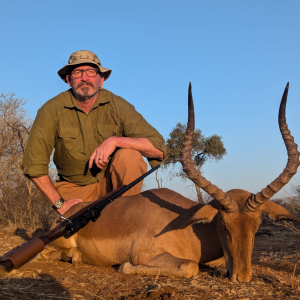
(45, 185)
(143, 145)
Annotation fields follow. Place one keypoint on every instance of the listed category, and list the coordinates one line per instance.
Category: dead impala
(162, 232)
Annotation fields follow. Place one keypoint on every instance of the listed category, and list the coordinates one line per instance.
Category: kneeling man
(99, 138)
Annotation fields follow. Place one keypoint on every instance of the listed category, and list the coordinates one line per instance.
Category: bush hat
(83, 57)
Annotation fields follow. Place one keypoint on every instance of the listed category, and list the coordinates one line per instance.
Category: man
(98, 137)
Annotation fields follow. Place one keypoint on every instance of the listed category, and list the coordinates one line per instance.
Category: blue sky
(238, 55)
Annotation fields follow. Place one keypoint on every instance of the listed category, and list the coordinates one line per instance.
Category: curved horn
(255, 201)
(189, 168)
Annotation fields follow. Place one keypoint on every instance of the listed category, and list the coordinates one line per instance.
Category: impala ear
(276, 212)
(203, 215)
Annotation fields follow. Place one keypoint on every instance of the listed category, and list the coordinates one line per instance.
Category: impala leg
(49, 253)
(66, 255)
(163, 264)
(72, 254)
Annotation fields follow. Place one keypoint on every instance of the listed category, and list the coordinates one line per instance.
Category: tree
(21, 205)
(203, 149)
(14, 130)
(296, 190)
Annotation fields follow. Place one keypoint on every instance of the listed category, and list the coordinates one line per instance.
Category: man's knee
(129, 156)
(126, 166)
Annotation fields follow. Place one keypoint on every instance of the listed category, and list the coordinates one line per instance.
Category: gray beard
(84, 96)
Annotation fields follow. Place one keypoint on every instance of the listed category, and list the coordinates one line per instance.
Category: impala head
(239, 212)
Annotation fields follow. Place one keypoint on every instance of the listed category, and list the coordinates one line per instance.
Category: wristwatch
(58, 204)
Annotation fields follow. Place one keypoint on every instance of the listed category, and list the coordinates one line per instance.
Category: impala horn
(255, 201)
(189, 168)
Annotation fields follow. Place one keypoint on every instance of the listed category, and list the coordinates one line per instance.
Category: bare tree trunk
(199, 194)
(158, 180)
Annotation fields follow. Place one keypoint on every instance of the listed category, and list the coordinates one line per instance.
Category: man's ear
(68, 80)
(102, 80)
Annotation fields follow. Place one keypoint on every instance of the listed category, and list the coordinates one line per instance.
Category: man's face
(85, 87)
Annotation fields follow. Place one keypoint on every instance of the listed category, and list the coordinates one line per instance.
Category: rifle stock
(17, 257)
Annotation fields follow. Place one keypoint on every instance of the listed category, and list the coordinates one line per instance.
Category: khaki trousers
(125, 166)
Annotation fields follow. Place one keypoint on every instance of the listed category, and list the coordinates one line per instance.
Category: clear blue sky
(238, 55)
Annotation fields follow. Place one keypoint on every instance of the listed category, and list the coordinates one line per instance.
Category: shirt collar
(72, 103)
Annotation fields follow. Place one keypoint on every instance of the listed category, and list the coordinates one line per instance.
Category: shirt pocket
(106, 131)
(68, 137)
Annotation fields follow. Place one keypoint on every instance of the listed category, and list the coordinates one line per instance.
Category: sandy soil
(275, 264)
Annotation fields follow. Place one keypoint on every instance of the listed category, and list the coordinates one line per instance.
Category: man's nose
(84, 76)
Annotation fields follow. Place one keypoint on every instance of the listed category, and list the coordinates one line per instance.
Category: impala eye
(223, 224)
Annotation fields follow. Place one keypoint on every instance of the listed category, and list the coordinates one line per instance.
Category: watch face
(58, 204)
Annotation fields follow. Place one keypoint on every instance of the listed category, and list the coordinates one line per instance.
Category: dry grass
(23, 208)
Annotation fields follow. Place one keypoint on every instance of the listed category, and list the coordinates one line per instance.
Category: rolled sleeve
(39, 146)
(32, 170)
(158, 143)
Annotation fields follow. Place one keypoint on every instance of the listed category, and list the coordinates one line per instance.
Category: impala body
(162, 232)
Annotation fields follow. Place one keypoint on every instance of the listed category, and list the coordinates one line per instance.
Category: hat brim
(65, 70)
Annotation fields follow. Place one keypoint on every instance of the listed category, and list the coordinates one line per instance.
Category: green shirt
(61, 124)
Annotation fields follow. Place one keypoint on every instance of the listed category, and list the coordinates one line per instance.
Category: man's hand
(67, 204)
(101, 153)
(143, 145)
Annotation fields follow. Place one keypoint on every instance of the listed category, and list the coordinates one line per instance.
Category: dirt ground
(275, 265)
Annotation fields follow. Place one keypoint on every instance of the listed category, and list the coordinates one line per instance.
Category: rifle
(17, 257)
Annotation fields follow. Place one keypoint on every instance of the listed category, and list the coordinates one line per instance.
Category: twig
(100, 297)
(293, 276)
(157, 276)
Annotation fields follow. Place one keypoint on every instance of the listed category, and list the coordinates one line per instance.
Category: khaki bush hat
(83, 57)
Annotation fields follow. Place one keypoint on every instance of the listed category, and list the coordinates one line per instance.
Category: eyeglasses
(75, 74)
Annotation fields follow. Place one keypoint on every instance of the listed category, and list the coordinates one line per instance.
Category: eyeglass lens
(88, 72)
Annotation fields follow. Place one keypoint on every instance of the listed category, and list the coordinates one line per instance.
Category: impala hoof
(77, 263)
(125, 268)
